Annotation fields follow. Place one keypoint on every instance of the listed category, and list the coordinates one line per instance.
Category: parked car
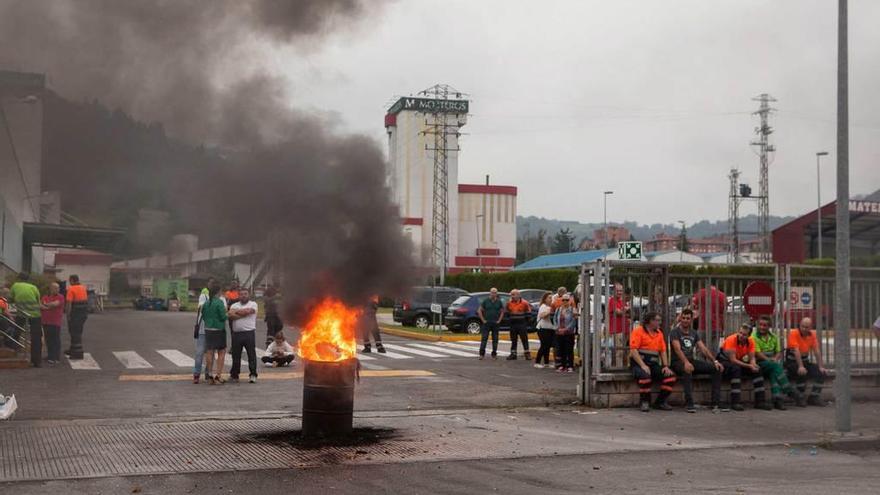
(462, 313)
(533, 296)
(150, 304)
(416, 309)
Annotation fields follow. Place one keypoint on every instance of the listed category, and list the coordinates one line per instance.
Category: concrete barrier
(618, 389)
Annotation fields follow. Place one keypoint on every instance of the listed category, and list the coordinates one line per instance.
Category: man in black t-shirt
(686, 342)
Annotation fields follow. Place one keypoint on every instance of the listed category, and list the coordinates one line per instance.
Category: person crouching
(279, 353)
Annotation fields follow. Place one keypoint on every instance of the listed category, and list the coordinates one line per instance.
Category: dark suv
(416, 309)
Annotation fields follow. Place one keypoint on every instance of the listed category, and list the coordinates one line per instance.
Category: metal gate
(715, 295)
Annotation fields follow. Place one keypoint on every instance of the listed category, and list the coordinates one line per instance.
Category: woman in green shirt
(214, 318)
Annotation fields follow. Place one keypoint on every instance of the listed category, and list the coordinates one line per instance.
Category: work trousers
(655, 375)
(75, 325)
(519, 329)
(565, 350)
(736, 374)
(489, 327)
(370, 329)
(547, 337)
(687, 379)
(200, 355)
(813, 375)
(775, 373)
(52, 335)
(278, 360)
(36, 330)
(243, 340)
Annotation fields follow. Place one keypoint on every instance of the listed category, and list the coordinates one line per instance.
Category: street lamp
(477, 218)
(605, 215)
(819, 154)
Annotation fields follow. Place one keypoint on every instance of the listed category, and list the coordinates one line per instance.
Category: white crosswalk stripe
(391, 355)
(364, 357)
(132, 360)
(86, 363)
(443, 349)
(413, 351)
(456, 345)
(178, 358)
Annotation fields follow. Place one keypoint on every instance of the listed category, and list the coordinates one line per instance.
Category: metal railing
(717, 299)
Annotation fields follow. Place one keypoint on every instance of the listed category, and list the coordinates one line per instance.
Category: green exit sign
(630, 250)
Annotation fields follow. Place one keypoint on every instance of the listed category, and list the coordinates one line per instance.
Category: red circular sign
(759, 299)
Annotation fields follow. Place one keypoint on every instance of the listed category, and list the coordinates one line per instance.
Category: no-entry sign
(759, 299)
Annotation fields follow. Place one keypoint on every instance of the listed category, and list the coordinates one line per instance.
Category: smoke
(199, 69)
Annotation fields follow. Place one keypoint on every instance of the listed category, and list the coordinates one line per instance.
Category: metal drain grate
(98, 450)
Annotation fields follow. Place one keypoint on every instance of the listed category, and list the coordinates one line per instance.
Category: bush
(505, 281)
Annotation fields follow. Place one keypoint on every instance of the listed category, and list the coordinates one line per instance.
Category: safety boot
(779, 404)
(800, 400)
(763, 405)
(814, 400)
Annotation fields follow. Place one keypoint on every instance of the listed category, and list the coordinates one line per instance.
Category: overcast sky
(651, 99)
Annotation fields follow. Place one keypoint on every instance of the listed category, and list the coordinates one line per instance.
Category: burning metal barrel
(328, 398)
(328, 347)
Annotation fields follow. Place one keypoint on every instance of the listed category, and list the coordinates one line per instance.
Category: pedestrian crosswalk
(178, 358)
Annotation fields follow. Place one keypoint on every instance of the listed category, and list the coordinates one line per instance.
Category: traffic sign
(629, 250)
(759, 299)
(801, 298)
(436, 308)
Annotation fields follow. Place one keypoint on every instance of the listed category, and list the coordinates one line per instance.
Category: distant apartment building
(702, 245)
(602, 237)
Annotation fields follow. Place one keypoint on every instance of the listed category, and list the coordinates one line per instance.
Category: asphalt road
(130, 345)
(461, 425)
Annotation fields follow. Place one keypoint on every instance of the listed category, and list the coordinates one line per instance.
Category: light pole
(681, 242)
(477, 218)
(605, 216)
(819, 200)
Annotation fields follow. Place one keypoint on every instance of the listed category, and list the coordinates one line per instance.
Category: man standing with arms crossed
(77, 310)
(802, 342)
(491, 312)
(244, 335)
(769, 353)
(519, 311)
(685, 342)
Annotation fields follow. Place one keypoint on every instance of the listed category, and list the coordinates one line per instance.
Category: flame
(329, 335)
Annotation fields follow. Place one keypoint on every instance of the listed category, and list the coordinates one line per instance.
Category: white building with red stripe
(482, 218)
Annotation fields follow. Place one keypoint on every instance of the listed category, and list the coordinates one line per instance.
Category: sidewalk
(38, 450)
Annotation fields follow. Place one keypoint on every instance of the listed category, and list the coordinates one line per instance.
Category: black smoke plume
(197, 69)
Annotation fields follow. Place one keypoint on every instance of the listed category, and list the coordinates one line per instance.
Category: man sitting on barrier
(685, 362)
(649, 362)
(769, 353)
(738, 356)
(802, 342)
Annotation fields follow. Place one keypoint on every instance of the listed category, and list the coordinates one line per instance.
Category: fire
(329, 335)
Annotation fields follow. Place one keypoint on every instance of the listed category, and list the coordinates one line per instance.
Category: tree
(562, 241)
(683, 239)
(531, 246)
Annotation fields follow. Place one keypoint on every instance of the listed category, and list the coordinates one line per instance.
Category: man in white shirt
(243, 315)
(279, 352)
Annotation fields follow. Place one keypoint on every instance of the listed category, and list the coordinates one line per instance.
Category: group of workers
(235, 306)
(24, 309)
(748, 354)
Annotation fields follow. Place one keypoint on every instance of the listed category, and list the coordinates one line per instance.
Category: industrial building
(799, 240)
(480, 219)
(21, 149)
